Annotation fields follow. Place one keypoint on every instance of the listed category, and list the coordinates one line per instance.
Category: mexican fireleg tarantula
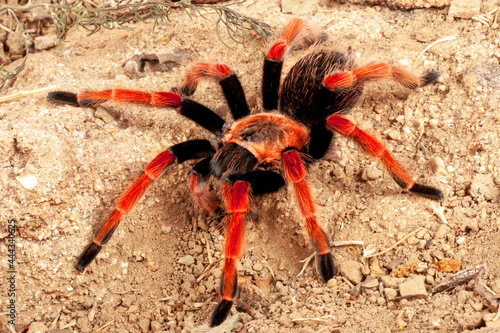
(259, 153)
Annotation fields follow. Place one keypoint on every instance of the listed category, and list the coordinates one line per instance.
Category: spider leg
(295, 173)
(199, 188)
(378, 71)
(229, 82)
(185, 106)
(296, 31)
(181, 152)
(373, 147)
(236, 196)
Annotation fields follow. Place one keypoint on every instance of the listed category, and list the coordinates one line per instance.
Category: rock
(299, 7)
(29, 182)
(413, 288)
(370, 283)
(15, 43)
(37, 328)
(103, 114)
(45, 42)
(389, 281)
(226, 327)
(186, 260)
(484, 185)
(371, 173)
(144, 324)
(425, 35)
(464, 9)
(442, 231)
(393, 264)
(351, 270)
(390, 294)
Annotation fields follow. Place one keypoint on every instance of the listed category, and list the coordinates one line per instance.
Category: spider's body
(259, 153)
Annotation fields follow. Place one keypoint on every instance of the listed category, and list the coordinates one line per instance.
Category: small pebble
(186, 260)
(29, 182)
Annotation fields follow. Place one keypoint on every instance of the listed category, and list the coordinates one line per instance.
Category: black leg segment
(191, 150)
(271, 83)
(235, 96)
(202, 115)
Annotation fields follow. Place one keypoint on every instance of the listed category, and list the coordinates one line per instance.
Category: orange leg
(203, 70)
(123, 206)
(295, 31)
(295, 172)
(237, 201)
(201, 194)
(374, 148)
(156, 99)
(181, 152)
(378, 71)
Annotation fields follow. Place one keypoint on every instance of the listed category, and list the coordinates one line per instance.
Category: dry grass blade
(445, 39)
(395, 244)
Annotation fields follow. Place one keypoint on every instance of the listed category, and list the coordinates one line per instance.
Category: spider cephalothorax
(260, 153)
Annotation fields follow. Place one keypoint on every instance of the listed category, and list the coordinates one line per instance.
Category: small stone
(414, 288)
(98, 185)
(393, 264)
(464, 9)
(144, 324)
(186, 260)
(258, 266)
(484, 185)
(390, 294)
(370, 283)
(442, 231)
(389, 281)
(437, 165)
(29, 182)
(37, 328)
(393, 134)
(15, 42)
(425, 35)
(439, 255)
(299, 7)
(371, 173)
(103, 114)
(351, 270)
(45, 42)
(72, 218)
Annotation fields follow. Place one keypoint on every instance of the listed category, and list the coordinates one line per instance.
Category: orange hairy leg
(236, 198)
(378, 71)
(156, 99)
(295, 173)
(128, 200)
(375, 148)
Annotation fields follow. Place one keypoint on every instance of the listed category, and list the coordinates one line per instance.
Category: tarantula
(259, 153)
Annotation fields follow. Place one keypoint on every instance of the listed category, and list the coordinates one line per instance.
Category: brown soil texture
(155, 272)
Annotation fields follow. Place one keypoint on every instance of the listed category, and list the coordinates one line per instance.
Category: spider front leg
(178, 153)
(374, 148)
(295, 173)
(161, 99)
(236, 196)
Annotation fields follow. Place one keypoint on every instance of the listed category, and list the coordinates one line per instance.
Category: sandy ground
(155, 273)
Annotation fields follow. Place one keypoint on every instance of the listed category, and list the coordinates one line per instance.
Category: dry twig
(395, 244)
(306, 262)
(441, 40)
(460, 278)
